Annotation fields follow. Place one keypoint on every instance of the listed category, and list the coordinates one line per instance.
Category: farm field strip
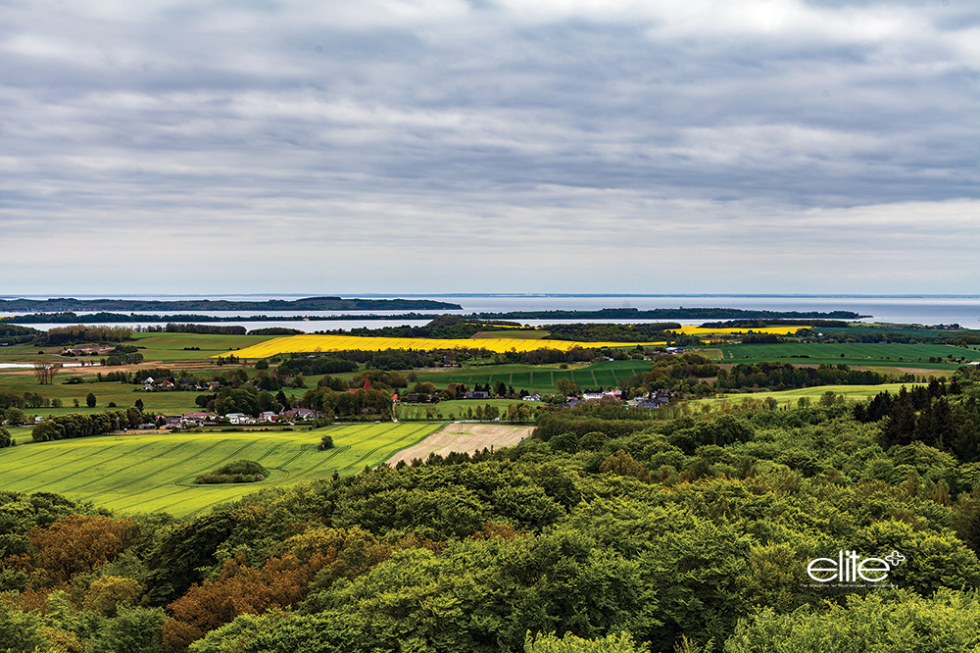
(851, 392)
(688, 329)
(894, 354)
(463, 437)
(106, 480)
(80, 456)
(408, 439)
(336, 451)
(155, 472)
(312, 343)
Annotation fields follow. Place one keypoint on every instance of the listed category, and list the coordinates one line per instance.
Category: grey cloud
(446, 126)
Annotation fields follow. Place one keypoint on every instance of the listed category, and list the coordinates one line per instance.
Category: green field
(455, 409)
(169, 347)
(155, 473)
(852, 354)
(542, 378)
(784, 397)
(165, 347)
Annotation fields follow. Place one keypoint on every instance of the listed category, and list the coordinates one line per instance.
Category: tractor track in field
(194, 496)
(120, 507)
(271, 451)
(94, 452)
(180, 484)
(139, 475)
(41, 452)
(204, 451)
(365, 456)
(303, 449)
(333, 454)
(156, 471)
(378, 448)
(127, 469)
(238, 451)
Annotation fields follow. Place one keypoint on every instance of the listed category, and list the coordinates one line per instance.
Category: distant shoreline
(59, 305)
(602, 314)
(503, 295)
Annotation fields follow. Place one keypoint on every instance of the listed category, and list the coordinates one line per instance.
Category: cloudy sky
(427, 146)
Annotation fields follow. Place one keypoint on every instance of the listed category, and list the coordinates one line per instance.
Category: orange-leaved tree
(79, 543)
(239, 589)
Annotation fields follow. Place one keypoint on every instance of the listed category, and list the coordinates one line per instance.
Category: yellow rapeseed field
(312, 343)
(778, 330)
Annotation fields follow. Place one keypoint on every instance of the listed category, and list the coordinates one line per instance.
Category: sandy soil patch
(464, 437)
(90, 350)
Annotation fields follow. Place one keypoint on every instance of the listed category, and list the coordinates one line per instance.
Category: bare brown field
(464, 437)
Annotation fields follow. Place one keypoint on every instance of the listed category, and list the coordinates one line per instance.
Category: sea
(896, 309)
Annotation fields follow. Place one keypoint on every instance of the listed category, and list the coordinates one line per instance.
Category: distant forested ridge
(66, 304)
(669, 314)
(70, 317)
(46, 312)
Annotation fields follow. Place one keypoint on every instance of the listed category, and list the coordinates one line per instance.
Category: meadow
(171, 347)
(155, 472)
(790, 398)
(851, 353)
(540, 378)
(454, 409)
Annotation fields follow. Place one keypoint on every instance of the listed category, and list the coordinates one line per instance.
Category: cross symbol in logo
(895, 558)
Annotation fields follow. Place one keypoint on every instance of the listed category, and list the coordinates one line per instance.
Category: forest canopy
(600, 533)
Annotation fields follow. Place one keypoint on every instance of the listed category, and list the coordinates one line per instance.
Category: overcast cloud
(763, 146)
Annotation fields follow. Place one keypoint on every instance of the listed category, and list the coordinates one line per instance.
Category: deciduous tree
(45, 371)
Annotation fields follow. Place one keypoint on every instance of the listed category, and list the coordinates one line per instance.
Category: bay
(912, 309)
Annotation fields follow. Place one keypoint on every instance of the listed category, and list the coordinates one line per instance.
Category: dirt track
(464, 437)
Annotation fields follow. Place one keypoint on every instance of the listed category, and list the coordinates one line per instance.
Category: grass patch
(852, 354)
(169, 347)
(791, 397)
(455, 409)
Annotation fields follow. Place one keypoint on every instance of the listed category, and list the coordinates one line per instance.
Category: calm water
(962, 310)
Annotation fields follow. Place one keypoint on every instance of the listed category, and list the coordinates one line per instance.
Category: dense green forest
(671, 314)
(604, 532)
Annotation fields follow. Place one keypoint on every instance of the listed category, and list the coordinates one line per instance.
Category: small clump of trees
(240, 471)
